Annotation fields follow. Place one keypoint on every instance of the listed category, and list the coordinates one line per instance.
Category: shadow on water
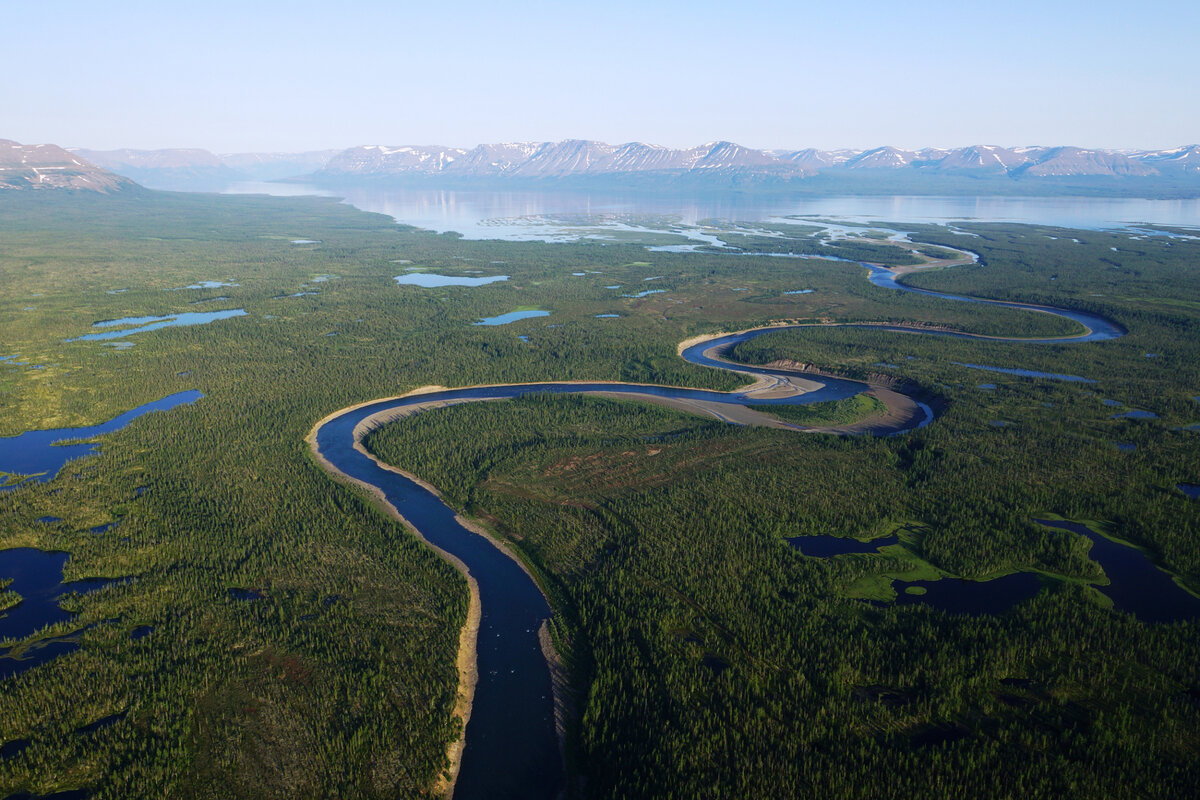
(42, 454)
(1136, 585)
(960, 596)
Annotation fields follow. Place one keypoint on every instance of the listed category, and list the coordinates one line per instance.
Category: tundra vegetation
(292, 641)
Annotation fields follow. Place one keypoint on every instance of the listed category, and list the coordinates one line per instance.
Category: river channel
(512, 748)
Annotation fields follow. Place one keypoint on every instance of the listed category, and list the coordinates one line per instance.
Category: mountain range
(583, 163)
(200, 170)
(572, 158)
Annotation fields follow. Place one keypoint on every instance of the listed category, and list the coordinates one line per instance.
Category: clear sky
(286, 76)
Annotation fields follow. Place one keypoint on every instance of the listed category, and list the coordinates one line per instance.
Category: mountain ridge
(48, 166)
(581, 157)
(580, 163)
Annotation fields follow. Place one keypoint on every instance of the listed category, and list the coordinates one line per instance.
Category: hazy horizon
(293, 77)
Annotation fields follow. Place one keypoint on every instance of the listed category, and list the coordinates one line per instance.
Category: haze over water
(521, 215)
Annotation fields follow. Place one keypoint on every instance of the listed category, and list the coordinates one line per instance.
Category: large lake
(540, 215)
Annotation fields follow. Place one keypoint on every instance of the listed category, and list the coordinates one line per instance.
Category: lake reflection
(522, 215)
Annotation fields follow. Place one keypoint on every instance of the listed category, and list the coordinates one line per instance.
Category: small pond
(960, 596)
(826, 546)
(39, 453)
(1136, 414)
(131, 325)
(429, 280)
(512, 316)
(208, 285)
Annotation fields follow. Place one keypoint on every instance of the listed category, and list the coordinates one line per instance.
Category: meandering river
(511, 744)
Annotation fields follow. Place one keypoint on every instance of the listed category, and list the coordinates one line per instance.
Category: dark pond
(1190, 489)
(141, 632)
(37, 577)
(960, 596)
(13, 748)
(1125, 447)
(245, 594)
(40, 454)
(826, 546)
(1136, 414)
(1135, 585)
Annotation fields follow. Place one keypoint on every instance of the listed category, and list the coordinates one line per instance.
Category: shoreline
(466, 661)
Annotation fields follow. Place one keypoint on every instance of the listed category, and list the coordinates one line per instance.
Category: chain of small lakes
(1003, 599)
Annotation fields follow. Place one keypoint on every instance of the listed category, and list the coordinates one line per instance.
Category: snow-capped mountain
(720, 163)
(1068, 161)
(549, 160)
(581, 157)
(48, 166)
(1184, 159)
(881, 158)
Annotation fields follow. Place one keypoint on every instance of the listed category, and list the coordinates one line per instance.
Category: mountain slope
(48, 166)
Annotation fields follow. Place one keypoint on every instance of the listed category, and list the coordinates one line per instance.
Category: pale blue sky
(258, 75)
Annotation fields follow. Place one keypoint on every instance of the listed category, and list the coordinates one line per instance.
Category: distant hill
(48, 166)
(725, 164)
(193, 170)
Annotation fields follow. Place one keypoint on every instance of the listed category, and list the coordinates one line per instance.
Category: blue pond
(432, 281)
(209, 285)
(37, 577)
(1027, 373)
(1136, 414)
(1190, 489)
(131, 325)
(1135, 585)
(40, 454)
(512, 316)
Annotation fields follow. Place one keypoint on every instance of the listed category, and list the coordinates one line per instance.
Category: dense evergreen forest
(291, 641)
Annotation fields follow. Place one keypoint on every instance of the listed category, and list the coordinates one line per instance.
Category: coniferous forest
(265, 632)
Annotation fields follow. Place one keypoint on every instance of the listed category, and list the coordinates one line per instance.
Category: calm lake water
(42, 454)
(512, 316)
(1136, 584)
(37, 576)
(539, 215)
